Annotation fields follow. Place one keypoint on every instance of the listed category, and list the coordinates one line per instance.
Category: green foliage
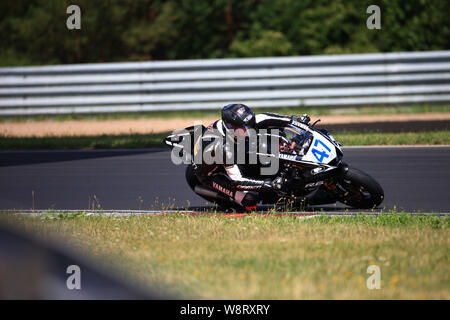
(390, 219)
(34, 31)
(261, 256)
(267, 43)
(65, 215)
(397, 138)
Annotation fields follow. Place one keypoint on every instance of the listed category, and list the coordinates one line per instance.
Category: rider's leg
(222, 184)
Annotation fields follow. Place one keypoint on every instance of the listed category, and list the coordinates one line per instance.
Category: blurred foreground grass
(264, 257)
(156, 140)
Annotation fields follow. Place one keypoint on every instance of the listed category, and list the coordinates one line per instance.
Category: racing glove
(271, 185)
(278, 183)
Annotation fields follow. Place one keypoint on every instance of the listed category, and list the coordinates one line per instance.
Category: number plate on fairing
(321, 150)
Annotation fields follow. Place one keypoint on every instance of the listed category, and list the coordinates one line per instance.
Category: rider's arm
(242, 183)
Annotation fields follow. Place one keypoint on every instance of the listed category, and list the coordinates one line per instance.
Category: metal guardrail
(328, 80)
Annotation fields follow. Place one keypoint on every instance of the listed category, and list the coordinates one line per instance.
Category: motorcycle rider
(227, 178)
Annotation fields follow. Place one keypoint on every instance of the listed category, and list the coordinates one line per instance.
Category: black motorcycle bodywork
(310, 161)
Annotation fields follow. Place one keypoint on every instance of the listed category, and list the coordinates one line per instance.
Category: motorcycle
(311, 164)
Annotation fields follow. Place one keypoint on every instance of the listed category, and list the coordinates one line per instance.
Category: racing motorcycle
(310, 162)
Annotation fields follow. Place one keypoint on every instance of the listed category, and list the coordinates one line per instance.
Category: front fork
(334, 185)
(330, 191)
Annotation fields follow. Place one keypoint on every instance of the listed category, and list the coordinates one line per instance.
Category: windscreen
(296, 141)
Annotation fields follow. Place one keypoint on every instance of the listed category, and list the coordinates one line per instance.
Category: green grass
(264, 257)
(399, 138)
(156, 140)
(314, 111)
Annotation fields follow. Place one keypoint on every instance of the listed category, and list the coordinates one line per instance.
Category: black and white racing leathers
(227, 177)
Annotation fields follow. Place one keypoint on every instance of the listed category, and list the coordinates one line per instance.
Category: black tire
(364, 192)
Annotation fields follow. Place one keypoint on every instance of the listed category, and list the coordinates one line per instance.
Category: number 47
(320, 155)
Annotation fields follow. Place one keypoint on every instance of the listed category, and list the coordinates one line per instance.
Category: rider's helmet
(237, 118)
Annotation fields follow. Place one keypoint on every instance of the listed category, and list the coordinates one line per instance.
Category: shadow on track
(17, 158)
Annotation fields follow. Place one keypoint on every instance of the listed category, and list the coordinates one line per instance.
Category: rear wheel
(361, 190)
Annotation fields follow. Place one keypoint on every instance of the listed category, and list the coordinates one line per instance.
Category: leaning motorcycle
(311, 164)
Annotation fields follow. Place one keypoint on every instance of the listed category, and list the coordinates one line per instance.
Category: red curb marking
(239, 215)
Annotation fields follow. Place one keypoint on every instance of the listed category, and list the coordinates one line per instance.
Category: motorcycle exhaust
(206, 192)
(211, 194)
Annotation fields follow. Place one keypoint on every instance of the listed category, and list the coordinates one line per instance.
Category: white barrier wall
(328, 80)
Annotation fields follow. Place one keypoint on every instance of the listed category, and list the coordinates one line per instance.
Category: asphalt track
(414, 179)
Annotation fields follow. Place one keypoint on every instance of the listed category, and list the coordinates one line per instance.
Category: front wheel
(361, 190)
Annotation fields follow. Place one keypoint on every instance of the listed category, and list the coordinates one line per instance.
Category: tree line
(34, 32)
